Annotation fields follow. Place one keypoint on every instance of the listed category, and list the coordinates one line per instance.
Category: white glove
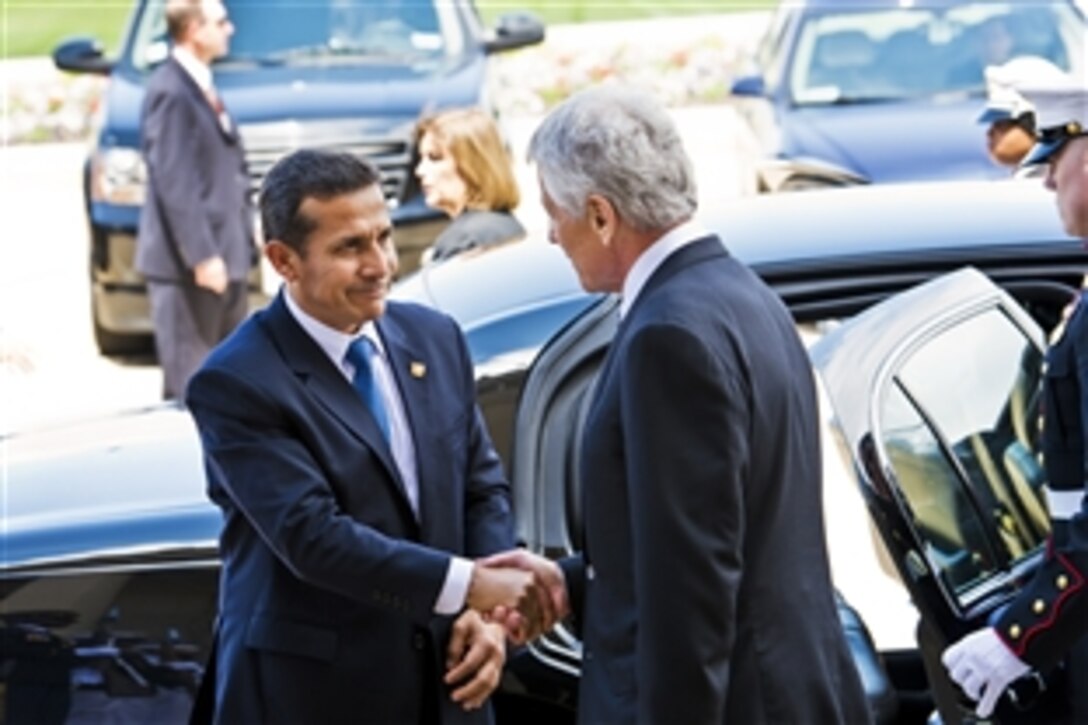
(983, 667)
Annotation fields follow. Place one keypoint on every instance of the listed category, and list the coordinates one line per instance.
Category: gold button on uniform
(1062, 581)
(1014, 631)
(1038, 606)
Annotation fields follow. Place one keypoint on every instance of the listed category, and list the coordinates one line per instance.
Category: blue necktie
(359, 354)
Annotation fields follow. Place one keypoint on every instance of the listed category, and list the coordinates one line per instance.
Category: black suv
(325, 73)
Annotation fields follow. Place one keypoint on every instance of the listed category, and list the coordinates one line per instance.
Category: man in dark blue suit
(354, 489)
(703, 594)
(195, 241)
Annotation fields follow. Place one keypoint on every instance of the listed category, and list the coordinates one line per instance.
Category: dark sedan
(887, 90)
(109, 567)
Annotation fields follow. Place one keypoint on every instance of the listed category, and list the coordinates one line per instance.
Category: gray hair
(621, 144)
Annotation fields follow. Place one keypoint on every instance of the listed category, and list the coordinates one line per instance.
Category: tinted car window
(105, 647)
(318, 32)
(903, 52)
(960, 430)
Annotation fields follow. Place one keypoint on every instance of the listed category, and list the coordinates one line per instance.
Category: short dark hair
(302, 174)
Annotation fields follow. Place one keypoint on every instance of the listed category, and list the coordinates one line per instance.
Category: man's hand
(983, 667)
(494, 592)
(551, 585)
(474, 659)
(211, 274)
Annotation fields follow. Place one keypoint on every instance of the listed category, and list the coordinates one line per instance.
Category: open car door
(936, 394)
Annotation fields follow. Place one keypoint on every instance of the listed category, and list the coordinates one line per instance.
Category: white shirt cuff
(454, 592)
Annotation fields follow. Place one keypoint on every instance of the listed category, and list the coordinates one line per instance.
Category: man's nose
(370, 261)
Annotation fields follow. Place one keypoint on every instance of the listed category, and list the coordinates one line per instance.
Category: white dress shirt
(335, 345)
(654, 256)
(201, 75)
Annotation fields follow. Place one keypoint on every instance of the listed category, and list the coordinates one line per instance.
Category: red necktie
(214, 100)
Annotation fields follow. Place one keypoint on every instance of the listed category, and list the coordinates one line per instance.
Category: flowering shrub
(680, 72)
(44, 104)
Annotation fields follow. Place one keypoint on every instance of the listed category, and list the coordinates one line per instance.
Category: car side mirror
(82, 55)
(514, 30)
(748, 86)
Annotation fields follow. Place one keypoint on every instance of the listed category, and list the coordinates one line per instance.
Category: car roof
(887, 219)
(793, 235)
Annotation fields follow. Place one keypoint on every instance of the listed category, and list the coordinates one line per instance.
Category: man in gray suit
(703, 594)
(195, 242)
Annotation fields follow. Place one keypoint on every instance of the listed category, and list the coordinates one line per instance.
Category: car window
(118, 646)
(908, 51)
(320, 32)
(959, 426)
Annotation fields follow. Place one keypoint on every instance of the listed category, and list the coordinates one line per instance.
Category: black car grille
(391, 154)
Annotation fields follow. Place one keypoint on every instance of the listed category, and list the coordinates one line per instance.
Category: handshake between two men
(523, 592)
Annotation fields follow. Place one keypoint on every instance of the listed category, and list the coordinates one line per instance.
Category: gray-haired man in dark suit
(703, 593)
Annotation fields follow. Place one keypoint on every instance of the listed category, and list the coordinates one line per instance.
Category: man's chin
(372, 309)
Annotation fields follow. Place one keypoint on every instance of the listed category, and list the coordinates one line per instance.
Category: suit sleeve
(489, 521)
(685, 421)
(273, 480)
(574, 577)
(173, 156)
(1051, 613)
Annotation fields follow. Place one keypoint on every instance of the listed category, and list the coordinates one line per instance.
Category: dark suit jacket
(329, 581)
(704, 589)
(197, 202)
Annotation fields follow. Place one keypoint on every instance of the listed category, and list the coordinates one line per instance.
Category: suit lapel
(412, 376)
(187, 81)
(328, 385)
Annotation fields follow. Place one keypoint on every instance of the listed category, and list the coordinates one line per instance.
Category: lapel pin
(417, 369)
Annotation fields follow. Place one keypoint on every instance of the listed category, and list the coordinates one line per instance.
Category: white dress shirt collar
(654, 257)
(333, 342)
(199, 71)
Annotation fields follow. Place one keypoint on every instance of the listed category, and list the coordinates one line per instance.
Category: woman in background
(465, 171)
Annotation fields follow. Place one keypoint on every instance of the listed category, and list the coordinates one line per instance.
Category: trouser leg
(189, 321)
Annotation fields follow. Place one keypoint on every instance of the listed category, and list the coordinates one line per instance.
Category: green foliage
(35, 27)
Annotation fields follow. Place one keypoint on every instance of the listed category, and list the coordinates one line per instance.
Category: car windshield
(318, 32)
(890, 54)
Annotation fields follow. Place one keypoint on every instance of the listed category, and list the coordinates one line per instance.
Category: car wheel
(113, 344)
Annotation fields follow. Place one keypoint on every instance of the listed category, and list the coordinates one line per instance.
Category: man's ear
(283, 259)
(601, 216)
